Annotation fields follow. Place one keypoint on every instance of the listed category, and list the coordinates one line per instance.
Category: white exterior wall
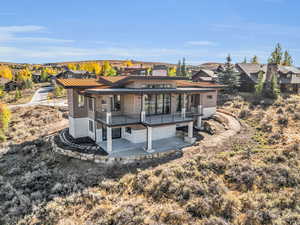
(139, 136)
(209, 111)
(92, 133)
(78, 127)
(98, 135)
(159, 73)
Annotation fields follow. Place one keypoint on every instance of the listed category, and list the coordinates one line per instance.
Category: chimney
(272, 70)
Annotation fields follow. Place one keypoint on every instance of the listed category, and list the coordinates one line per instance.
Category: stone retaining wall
(110, 160)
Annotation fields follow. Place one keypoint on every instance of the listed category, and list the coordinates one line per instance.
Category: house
(204, 75)
(160, 70)
(77, 74)
(137, 110)
(36, 77)
(288, 76)
(134, 71)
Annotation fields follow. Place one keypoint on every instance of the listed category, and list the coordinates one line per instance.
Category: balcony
(115, 120)
(167, 119)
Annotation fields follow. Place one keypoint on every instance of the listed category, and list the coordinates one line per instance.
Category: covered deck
(124, 148)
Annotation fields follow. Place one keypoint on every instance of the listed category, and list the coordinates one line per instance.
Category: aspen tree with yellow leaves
(5, 72)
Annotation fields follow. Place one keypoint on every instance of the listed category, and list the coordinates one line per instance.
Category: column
(190, 130)
(109, 139)
(149, 139)
(143, 114)
(190, 139)
(108, 109)
(183, 109)
(199, 118)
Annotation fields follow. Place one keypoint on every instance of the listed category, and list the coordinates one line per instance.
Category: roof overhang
(110, 91)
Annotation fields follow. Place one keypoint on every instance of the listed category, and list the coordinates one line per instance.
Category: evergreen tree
(276, 55)
(254, 60)
(245, 60)
(287, 59)
(274, 87)
(178, 70)
(183, 68)
(229, 77)
(260, 84)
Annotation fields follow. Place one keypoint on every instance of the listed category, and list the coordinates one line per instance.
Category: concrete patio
(124, 148)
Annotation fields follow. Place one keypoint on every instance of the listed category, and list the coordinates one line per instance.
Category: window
(91, 126)
(178, 103)
(80, 100)
(91, 104)
(128, 130)
(116, 103)
(158, 104)
(157, 86)
(209, 96)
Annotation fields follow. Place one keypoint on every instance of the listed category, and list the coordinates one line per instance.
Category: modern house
(77, 74)
(204, 75)
(137, 109)
(288, 76)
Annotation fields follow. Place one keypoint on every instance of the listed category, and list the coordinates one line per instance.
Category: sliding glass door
(158, 104)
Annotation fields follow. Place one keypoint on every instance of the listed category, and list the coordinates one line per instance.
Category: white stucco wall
(98, 135)
(78, 127)
(92, 133)
(209, 111)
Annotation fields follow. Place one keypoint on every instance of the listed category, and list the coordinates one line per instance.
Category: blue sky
(201, 30)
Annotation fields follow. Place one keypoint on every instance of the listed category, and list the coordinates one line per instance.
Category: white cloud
(9, 34)
(201, 43)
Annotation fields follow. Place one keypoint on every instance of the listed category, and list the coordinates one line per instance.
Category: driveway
(40, 97)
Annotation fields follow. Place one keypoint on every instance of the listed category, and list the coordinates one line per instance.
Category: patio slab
(125, 148)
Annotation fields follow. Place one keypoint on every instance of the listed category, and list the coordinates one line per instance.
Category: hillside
(250, 179)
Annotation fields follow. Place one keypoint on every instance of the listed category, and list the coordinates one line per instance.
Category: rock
(209, 128)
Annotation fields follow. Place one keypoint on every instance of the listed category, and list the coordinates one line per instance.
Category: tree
(24, 75)
(229, 77)
(5, 116)
(183, 68)
(107, 70)
(276, 55)
(178, 70)
(254, 60)
(274, 87)
(245, 60)
(44, 76)
(260, 84)
(287, 59)
(172, 71)
(5, 72)
(72, 66)
(18, 94)
(128, 63)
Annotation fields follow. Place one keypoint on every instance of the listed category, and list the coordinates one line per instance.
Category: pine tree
(183, 68)
(287, 60)
(274, 87)
(276, 55)
(260, 84)
(245, 60)
(229, 77)
(254, 60)
(178, 70)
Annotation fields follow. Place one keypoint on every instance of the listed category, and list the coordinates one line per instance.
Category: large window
(116, 103)
(80, 100)
(91, 104)
(158, 104)
(179, 100)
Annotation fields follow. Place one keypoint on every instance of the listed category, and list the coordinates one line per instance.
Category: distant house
(288, 76)
(160, 70)
(204, 75)
(77, 74)
(134, 71)
(36, 77)
(249, 74)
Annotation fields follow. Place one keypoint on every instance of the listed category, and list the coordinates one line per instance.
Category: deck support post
(183, 109)
(143, 114)
(199, 118)
(109, 139)
(190, 139)
(149, 139)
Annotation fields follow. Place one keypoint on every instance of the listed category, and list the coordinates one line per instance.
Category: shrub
(297, 116)
(283, 120)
